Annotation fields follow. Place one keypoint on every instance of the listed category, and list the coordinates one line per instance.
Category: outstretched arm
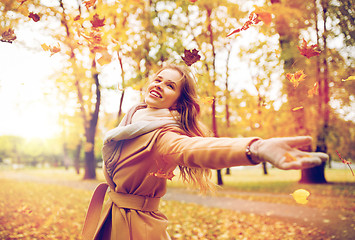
(283, 153)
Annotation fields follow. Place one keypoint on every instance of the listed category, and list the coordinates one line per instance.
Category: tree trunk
(316, 174)
(90, 132)
(123, 85)
(214, 120)
(77, 158)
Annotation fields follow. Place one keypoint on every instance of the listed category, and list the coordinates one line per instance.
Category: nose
(158, 85)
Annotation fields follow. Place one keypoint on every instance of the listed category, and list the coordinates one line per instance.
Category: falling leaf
(263, 15)
(296, 77)
(207, 100)
(300, 196)
(34, 16)
(193, 1)
(77, 18)
(162, 174)
(21, 2)
(314, 91)
(52, 49)
(89, 3)
(297, 108)
(97, 22)
(345, 162)
(8, 36)
(105, 58)
(253, 19)
(219, 116)
(351, 78)
(308, 51)
(191, 57)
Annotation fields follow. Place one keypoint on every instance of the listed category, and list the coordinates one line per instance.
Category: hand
(283, 153)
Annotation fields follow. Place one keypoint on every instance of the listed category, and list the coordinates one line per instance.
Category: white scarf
(138, 121)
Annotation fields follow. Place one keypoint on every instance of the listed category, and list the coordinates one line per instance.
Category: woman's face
(164, 90)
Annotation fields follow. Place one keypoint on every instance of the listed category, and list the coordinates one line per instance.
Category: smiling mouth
(155, 93)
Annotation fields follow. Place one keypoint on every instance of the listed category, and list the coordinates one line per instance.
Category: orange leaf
(207, 100)
(191, 57)
(34, 16)
(296, 77)
(314, 91)
(105, 58)
(52, 49)
(89, 3)
(308, 51)
(8, 36)
(263, 15)
(97, 22)
(253, 19)
(162, 174)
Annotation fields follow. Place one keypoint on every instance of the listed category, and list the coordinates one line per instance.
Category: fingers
(298, 141)
(323, 156)
(312, 160)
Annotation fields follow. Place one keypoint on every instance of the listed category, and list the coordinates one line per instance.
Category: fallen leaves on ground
(192, 221)
(43, 211)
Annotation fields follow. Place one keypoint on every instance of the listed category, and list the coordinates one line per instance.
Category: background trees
(110, 48)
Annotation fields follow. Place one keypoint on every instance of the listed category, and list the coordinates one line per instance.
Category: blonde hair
(189, 109)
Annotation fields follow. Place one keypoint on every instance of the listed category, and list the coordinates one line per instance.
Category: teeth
(155, 94)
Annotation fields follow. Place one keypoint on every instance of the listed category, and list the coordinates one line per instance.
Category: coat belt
(121, 200)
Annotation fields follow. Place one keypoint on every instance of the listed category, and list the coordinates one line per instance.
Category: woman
(157, 136)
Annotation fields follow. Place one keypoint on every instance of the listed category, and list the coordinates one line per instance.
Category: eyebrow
(170, 81)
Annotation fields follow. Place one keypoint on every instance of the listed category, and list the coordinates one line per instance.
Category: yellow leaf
(207, 100)
(297, 108)
(104, 59)
(300, 196)
(349, 79)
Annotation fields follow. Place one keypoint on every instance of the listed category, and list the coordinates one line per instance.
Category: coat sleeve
(202, 152)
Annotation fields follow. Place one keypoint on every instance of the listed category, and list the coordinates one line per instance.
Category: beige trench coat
(167, 147)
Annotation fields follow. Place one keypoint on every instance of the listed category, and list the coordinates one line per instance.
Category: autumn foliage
(42, 211)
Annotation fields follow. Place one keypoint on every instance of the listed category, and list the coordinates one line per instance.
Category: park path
(334, 223)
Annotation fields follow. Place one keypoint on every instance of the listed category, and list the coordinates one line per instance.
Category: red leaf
(345, 162)
(190, 57)
(34, 16)
(253, 19)
(8, 36)
(308, 51)
(296, 77)
(97, 22)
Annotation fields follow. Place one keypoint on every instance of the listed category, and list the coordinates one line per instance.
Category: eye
(171, 86)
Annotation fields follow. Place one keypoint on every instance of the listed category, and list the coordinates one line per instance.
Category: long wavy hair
(189, 110)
